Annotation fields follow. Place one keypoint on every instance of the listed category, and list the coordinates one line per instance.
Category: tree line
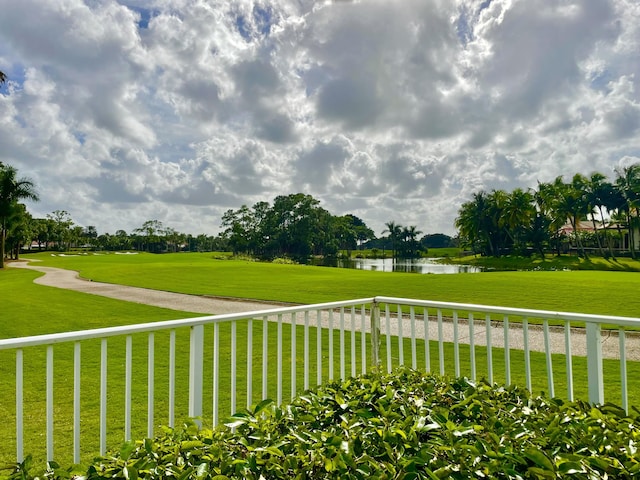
(59, 232)
(535, 220)
(294, 226)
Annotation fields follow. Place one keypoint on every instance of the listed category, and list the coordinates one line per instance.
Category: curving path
(68, 279)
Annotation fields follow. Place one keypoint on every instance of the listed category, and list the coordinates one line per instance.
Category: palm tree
(598, 196)
(517, 214)
(12, 189)
(395, 231)
(411, 237)
(3, 78)
(549, 217)
(628, 183)
(475, 224)
(571, 204)
(497, 200)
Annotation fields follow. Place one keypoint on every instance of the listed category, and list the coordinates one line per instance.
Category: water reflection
(410, 265)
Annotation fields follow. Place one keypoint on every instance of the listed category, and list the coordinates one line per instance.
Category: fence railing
(77, 394)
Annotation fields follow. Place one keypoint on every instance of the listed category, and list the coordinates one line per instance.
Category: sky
(392, 110)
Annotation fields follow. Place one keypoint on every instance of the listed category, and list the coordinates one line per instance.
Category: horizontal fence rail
(76, 394)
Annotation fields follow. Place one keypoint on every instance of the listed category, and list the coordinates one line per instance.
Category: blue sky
(178, 110)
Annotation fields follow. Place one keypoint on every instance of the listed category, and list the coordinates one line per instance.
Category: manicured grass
(37, 309)
(597, 292)
(447, 252)
(30, 309)
(551, 262)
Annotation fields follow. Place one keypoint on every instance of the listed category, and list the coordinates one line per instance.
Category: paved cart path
(69, 279)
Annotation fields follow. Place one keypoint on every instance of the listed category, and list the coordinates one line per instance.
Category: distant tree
(547, 217)
(122, 240)
(599, 196)
(19, 232)
(345, 233)
(41, 229)
(60, 223)
(628, 184)
(293, 226)
(204, 243)
(436, 240)
(569, 201)
(517, 214)
(239, 227)
(90, 235)
(173, 239)
(580, 206)
(409, 246)
(12, 190)
(149, 235)
(395, 232)
(362, 231)
(76, 236)
(475, 224)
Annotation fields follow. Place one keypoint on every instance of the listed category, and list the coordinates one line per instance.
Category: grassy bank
(549, 262)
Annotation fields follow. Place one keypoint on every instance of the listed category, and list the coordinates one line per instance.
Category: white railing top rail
(48, 339)
(520, 312)
(53, 338)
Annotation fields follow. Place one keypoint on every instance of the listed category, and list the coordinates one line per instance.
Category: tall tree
(123, 241)
(548, 215)
(75, 236)
(345, 233)
(496, 224)
(363, 233)
(410, 245)
(61, 223)
(477, 225)
(41, 230)
(90, 235)
(598, 196)
(239, 228)
(149, 233)
(628, 183)
(12, 189)
(293, 226)
(19, 232)
(395, 231)
(517, 216)
(571, 204)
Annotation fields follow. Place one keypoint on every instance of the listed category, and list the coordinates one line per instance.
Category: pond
(410, 265)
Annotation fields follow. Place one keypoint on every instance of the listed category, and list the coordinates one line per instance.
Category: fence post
(594, 363)
(375, 334)
(196, 361)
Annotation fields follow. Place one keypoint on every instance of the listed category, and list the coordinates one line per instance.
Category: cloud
(391, 110)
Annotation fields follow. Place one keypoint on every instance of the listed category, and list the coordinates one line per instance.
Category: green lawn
(550, 262)
(597, 292)
(30, 309)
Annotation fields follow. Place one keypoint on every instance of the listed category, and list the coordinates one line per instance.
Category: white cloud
(398, 109)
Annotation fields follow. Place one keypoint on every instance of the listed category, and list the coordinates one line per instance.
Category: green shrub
(284, 261)
(404, 425)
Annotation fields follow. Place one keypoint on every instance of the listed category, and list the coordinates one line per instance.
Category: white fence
(99, 381)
